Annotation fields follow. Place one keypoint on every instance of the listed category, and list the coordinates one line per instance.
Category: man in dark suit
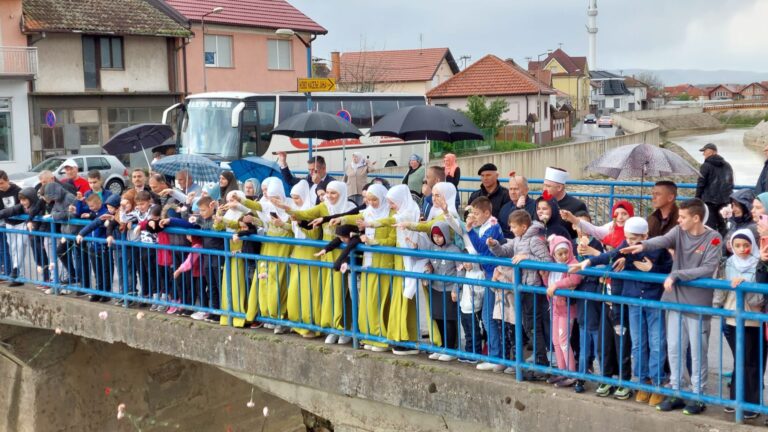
(317, 177)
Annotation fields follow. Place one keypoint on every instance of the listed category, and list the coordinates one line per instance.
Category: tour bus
(226, 126)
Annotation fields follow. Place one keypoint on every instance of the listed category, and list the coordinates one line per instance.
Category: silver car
(113, 173)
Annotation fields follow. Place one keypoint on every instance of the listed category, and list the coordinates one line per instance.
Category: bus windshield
(208, 129)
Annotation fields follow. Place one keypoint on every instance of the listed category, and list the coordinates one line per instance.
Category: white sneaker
(65, 292)
(343, 340)
(269, 326)
(49, 291)
(434, 356)
(379, 349)
(199, 316)
(446, 358)
(405, 352)
(368, 347)
(486, 366)
(331, 339)
(153, 308)
(509, 371)
(280, 329)
(162, 308)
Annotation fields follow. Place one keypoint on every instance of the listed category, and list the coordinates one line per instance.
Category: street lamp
(287, 34)
(538, 97)
(215, 10)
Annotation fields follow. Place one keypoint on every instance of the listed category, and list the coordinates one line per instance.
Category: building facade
(18, 68)
(569, 75)
(610, 94)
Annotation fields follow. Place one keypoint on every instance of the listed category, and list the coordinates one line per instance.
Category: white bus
(226, 126)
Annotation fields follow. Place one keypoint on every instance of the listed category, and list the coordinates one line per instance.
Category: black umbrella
(139, 137)
(317, 125)
(427, 122)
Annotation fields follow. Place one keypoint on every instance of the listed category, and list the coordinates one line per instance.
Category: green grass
(466, 148)
(742, 121)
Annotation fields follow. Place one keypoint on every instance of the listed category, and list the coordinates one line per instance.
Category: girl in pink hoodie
(563, 310)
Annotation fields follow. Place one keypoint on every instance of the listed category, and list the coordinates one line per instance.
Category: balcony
(18, 62)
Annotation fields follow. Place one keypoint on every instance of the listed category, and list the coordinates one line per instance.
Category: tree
(651, 79)
(367, 74)
(683, 97)
(487, 115)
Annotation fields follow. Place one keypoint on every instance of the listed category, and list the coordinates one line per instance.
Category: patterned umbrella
(641, 160)
(199, 167)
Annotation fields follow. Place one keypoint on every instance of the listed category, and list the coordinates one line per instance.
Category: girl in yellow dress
(232, 283)
(374, 291)
(333, 290)
(304, 281)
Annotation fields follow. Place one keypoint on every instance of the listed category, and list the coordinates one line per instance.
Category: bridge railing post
(519, 356)
(228, 276)
(353, 287)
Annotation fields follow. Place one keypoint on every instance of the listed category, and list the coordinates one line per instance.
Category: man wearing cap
(715, 186)
(491, 189)
(554, 183)
(519, 200)
(70, 176)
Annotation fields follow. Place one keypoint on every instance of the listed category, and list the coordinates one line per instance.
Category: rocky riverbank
(757, 137)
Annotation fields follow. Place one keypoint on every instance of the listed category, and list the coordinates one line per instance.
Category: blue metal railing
(237, 276)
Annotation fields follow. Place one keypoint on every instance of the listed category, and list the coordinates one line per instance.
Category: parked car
(590, 119)
(113, 173)
(605, 121)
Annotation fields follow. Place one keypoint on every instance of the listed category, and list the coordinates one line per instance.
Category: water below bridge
(746, 161)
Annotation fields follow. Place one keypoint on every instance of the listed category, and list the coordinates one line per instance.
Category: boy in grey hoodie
(698, 250)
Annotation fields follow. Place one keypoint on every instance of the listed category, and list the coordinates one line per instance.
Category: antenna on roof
(464, 59)
(421, 42)
(560, 45)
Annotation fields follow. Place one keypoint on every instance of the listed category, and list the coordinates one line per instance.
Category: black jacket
(506, 211)
(291, 180)
(715, 185)
(762, 181)
(498, 198)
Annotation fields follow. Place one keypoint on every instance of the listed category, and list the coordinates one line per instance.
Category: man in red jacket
(70, 170)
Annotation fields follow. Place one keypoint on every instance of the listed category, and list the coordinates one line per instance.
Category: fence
(304, 293)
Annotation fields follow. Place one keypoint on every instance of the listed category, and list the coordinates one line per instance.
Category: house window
(280, 54)
(111, 49)
(6, 131)
(119, 118)
(546, 110)
(218, 51)
(617, 103)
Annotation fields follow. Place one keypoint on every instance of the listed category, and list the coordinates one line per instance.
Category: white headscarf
(302, 190)
(342, 205)
(234, 213)
(275, 189)
(448, 191)
(266, 204)
(407, 211)
(382, 211)
(749, 264)
(362, 162)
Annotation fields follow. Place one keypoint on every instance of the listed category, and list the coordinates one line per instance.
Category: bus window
(382, 107)
(291, 107)
(411, 102)
(360, 110)
(249, 132)
(329, 106)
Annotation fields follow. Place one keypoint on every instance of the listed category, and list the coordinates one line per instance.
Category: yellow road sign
(309, 85)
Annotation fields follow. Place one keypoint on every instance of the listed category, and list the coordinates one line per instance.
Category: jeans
(493, 335)
(5, 254)
(682, 331)
(473, 335)
(649, 344)
(588, 351)
(101, 261)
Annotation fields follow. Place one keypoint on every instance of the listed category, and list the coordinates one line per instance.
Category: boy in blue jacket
(646, 325)
(481, 227)
(99, 257)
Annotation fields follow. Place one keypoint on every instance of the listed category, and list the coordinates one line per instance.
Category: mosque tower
(592, 31)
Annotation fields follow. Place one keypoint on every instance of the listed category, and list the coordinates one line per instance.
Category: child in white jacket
(470, 304)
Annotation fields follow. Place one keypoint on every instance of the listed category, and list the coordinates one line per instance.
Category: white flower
(103, 315)
(229, 338)
(120, 411)
(192, 219)
(139, 315)
(63, 240)
(265, 411)
(51, 266)
(40, 269)
(250, 404)
(57, 331)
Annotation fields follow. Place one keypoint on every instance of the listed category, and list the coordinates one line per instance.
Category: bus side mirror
(236, 114)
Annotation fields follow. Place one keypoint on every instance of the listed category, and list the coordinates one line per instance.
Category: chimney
(336, 65)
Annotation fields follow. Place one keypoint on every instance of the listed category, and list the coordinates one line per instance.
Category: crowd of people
(644, 344)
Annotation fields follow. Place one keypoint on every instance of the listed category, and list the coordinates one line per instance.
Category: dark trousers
(754, 364)
(536, 325)
(212, 267)
(5, 255)
(148, 271)
(614, 346)
(450, 332)
(506, 332)
(101, 262)
(473, 334)
(75, 260)
(715, 220)
(41, 256)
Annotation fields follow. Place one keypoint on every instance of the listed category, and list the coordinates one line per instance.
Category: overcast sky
(648, 34)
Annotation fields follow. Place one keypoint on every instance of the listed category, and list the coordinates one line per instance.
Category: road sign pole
(309, 94)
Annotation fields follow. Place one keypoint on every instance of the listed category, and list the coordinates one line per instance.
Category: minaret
(592, 31)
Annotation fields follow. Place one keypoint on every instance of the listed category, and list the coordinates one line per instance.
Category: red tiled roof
(271, 14)
(724, 86)
(126, 17)
(394, 66)
(634, 82)
(490, 76)
(572, 65)
(543, 75)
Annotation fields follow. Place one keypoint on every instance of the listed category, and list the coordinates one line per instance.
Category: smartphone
(763, 243)
(274, 215)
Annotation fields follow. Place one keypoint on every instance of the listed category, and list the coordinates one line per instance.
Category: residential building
(103, 65)
(754, 92)
(238, 49)
(610, 94)
(723, 91)
(686, 92)
(639, 89)
(569, 75)
(529, 100)
(18, 67)
(399, 71)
